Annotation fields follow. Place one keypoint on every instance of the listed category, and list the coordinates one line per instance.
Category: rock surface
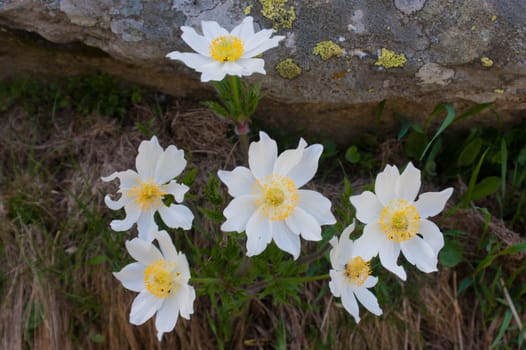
(410, 53)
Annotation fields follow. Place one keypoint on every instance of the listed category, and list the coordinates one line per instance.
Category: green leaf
(474, 110)
(504, 326)
(352, 155)
(414, 144)
(452, 253)
(96, 337)
(97, 260)
(447, 121)
(516, 248)
(503, 165)
(472, 180)
(484, 188)
(470, 152)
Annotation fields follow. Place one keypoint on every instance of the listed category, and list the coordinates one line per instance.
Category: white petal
(431, 235)
(368, 207)
(132, 276)
(289, 159)
(175, 189)
(305, 170)
(263, 46)
(369, 243)
(337, 283)
(239, 181)
(389, 252)
(142, 251)
(285, 239)
(127, 179)
(170, 164)
(238, 212)
(232, 68)
(419, 253)
(302, 223)
(132, 215)
(197, 42)
(166, 245)
(146, 225)
(167, 316)
(316, 205)
(212, 30)
(182, 266)
(370, 282)
(385, 184)
(409, 183)
(335, 253)
(118, 204)
(177, 215)
(143, 307)
(257, 40)
(146, 161)
(213, 75)
(432, 203)
(262, 156)
(251, 65)
(367, 299)
(244, 30)
(259, 233)
(194, 60)
(350, 304)
(187, 301)
(347, 249)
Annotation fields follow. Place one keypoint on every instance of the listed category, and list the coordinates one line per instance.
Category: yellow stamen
(147, 195)
(399, 220)
(160, 279)
(357, 271)
(278, 197)
(226, 48)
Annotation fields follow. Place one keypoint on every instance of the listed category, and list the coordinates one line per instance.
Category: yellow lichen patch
(493, 18)
(486, 62)
(288, 69)
(247, 10)
(498, 91)
(278, 13)
(389, 59)
(327, 49)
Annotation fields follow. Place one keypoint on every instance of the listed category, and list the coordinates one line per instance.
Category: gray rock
(410, 53)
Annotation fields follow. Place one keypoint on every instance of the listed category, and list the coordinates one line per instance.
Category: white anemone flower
(268, 203)
(219, 52)
(395, 221)
(351, 276)
(142, 192)
(161, 278)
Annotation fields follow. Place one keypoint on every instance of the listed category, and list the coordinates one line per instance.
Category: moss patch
(278, 13)
(288, 69)
(389, 59)
(327, 49)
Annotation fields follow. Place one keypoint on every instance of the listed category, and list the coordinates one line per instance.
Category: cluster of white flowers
(269, 203)
(160, 277)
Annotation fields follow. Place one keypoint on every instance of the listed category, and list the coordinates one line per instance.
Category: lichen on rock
(389, 59)
(327, 49)
(278, 13)
(288, 69)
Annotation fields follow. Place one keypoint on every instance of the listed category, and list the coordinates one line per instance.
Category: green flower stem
(304, 279)
(234, 81)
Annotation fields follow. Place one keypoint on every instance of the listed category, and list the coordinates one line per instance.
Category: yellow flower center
(147, 195)
(357, 270)
(226, 48)
(160, 279)
(399, 220)
(278, 198)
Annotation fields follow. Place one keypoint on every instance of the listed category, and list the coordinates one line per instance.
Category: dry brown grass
(47, 306)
